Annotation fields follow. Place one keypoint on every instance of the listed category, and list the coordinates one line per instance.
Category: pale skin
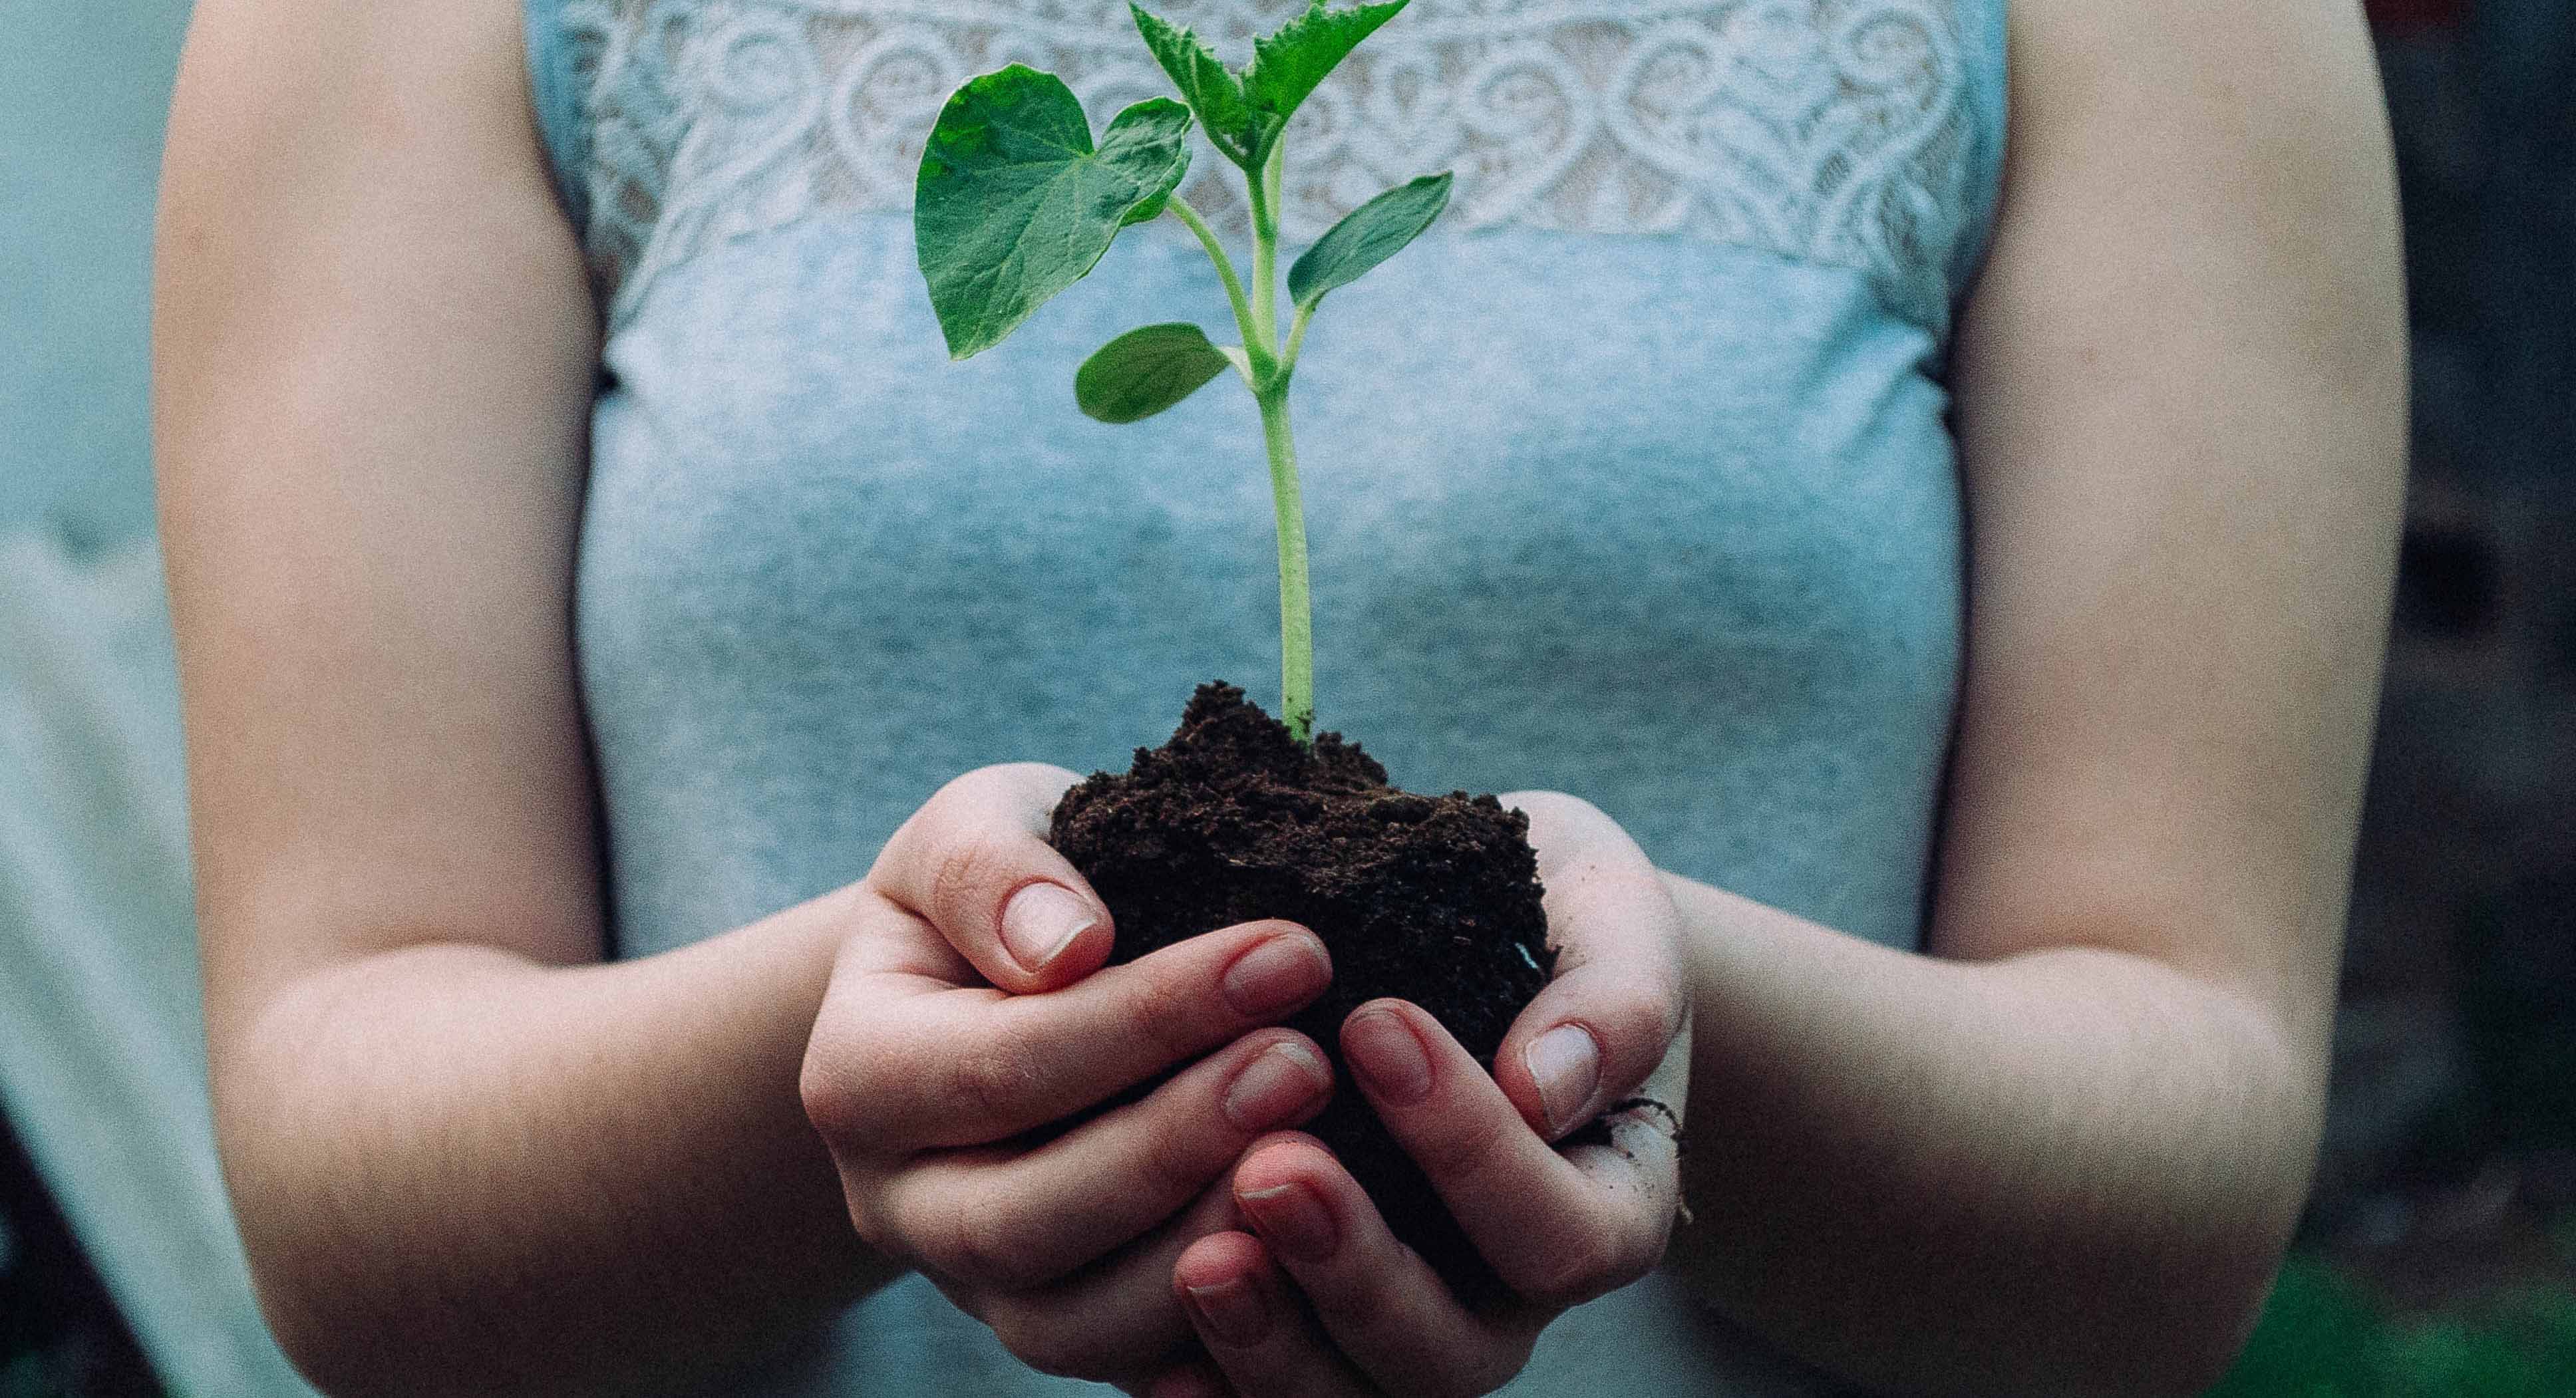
(2060, 1154)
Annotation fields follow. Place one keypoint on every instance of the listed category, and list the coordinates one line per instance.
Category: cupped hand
(1317, 1299)
(967, 1009)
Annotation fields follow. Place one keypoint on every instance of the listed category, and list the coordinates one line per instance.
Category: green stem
(1296, 339)
(1243, 320)
(1272, 172)
(1263, 190)
(1296, 612)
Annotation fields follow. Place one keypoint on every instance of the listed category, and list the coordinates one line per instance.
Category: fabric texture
(1631, 479)
(1848, 133)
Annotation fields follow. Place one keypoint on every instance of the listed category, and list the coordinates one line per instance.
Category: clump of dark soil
(1431, 899)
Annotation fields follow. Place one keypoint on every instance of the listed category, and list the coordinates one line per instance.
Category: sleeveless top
(1631, 479)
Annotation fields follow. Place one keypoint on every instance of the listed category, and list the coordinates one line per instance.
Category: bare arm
(2064, 1154)
(463, 1155)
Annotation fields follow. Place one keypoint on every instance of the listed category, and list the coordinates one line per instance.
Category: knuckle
(826, 1098)
(889, 1217)
(991, 1080)
(973, 1243)
(872, 1219)
(1018, 1246)
(1459, 1153)
(1635, 1025)
(1162, 1011)
(962, 868)
(834, 1086)
(893, 1222)
(922, 834)
(1171, 1165)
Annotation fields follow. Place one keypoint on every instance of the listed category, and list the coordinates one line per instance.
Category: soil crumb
(1433, 899)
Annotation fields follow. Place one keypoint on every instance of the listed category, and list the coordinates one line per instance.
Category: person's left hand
(1560, 1226)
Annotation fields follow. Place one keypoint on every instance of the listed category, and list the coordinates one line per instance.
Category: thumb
(974, 863)
(1610, 1020)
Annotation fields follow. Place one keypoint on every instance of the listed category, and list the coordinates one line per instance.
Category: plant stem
(1268, 376)
(1271, 173)
(1296, 613)
(1263, 192)
(1243, 321)
(1296, 340)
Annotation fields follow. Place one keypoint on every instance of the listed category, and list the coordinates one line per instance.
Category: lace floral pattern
(1829, 131)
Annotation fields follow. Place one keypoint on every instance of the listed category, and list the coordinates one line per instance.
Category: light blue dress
(1632, 479)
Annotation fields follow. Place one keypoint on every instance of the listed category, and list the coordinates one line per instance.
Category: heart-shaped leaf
(1287, 66)
(1145, 371)
(1367, 236)
(1013, 203)
(1211, 89)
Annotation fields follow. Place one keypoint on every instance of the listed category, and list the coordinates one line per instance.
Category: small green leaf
(1287, 66)
(1013, 203)
(1145, 371)
(1153, 206)
(1211, 89)
(1367, 236)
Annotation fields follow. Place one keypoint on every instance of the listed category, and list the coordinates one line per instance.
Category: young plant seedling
(1015, 202)
(1434, 899)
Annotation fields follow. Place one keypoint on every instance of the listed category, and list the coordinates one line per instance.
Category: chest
(1562, 461)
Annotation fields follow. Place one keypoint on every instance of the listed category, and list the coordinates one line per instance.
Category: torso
(1630, 480)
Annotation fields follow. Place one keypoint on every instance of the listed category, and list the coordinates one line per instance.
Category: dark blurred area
(2439, 1252)
(59, 1334)
(2452, 1145)
(2439, 1255)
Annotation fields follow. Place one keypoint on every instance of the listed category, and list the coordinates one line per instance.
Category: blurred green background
(2439, 1256)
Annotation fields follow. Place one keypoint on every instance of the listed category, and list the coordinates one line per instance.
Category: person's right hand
(968, 1008)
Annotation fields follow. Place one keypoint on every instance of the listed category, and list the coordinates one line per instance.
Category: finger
(1255, 1330)
(892, 1069)
(1383, 1306)
(1558, 1229)
(1612, 1013)
(975, 863)
(996, 1217)
(1116, 1322)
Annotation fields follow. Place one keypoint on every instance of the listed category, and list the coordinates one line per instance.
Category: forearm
(2063, 1172)
(458, 1170)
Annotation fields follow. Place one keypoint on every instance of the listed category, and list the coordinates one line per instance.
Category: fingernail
(1383, 1051)
(1280, 974)
(1040, 921)
(1234, 1310)
(1566, 1064)
(1281, 1081)
(1293, 1221)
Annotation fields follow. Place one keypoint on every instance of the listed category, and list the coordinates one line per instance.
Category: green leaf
(1367, 236)
(1287, 66)
(1013, 204)
(1211, 89)
(1145, 371)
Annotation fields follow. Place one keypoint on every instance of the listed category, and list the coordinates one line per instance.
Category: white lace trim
(1832, 131)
